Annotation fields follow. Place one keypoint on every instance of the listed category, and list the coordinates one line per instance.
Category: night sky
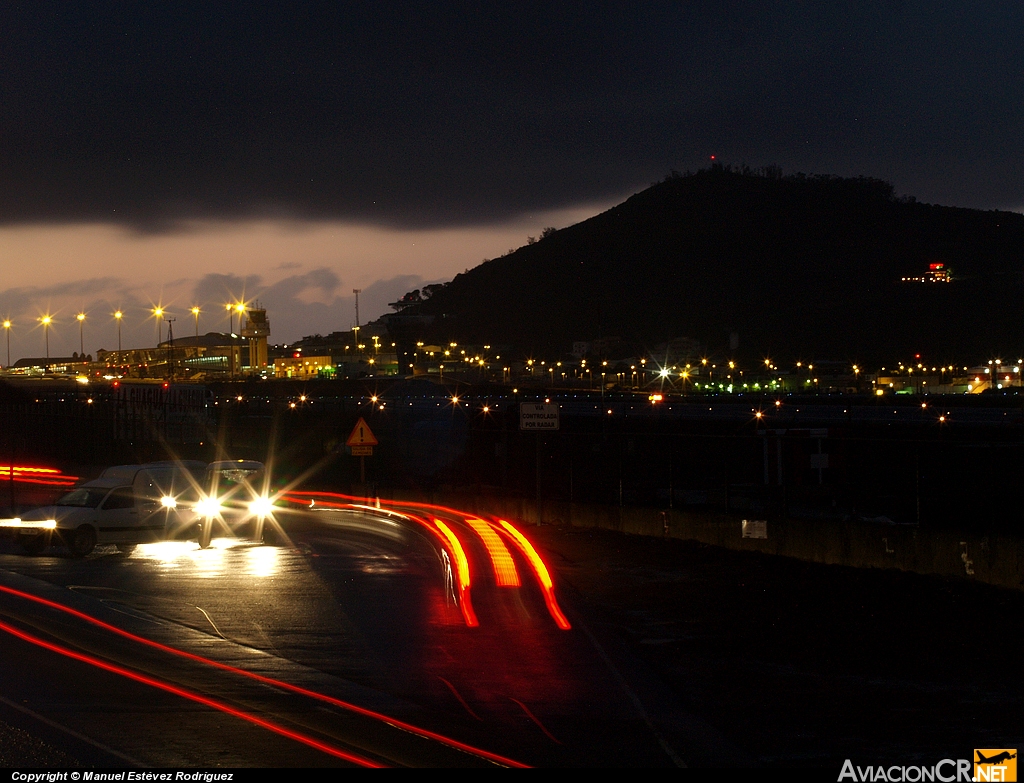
(197, 153)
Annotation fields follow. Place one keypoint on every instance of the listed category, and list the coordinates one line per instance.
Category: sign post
(361, 443)
(538, 417)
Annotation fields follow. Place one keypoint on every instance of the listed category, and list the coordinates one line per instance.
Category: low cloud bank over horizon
(297, 305)
(303, 273)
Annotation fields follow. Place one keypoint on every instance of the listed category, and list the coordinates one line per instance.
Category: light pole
(231, 316)
(357, 291)
(158, 313)
(7, 328)
(240, 309)
(195, 312)
(170, 347)
(81, 334)
(117, 317)
(46, 321)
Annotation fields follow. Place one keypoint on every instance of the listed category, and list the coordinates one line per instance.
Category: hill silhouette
(797, 266)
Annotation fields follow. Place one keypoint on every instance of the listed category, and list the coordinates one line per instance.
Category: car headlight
(208, 507)
(261, 507)
(16, 522)
(168, 502)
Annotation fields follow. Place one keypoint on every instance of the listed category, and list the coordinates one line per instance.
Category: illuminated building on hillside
(937, 273)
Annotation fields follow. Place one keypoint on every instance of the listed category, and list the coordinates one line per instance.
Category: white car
(125, 506)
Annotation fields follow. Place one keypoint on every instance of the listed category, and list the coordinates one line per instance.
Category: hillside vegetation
(795, 266)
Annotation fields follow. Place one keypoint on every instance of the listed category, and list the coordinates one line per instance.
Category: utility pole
(170, 346)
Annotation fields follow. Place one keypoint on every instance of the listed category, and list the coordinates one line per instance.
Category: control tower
(257, 330)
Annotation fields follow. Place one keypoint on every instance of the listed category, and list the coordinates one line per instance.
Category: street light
(81, 333)
(158, 313)
(117, 317)
(195, 312)
(46, 321)
(7, 327)
(231, 316)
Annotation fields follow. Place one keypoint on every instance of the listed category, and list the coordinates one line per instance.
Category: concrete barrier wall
(992, 559)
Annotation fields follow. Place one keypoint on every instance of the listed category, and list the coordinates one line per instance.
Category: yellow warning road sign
(361, 435)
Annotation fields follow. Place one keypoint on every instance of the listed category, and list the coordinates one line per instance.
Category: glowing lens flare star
(261, 507)
(208, 507)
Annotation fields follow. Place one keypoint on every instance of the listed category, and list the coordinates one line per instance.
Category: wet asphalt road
(679, 653)
(353, 608)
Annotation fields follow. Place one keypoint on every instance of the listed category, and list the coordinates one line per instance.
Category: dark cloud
(323, 282)
(13, 299)
(288, 302)
(421, 114)
(216, 287)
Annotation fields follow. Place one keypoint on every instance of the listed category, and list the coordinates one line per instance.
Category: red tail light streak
(504, 569)
(195, 697)
(49, 477)
(412, 729)
(444, 534)
(462, 571)
(542, 574)
(501, 561)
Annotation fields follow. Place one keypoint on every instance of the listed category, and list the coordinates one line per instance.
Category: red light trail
(547, 586)
(504, 569)
(501, 561)
(449, 542)
(195, 697)
(29, 475)
(425, 733)
(462, 569)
